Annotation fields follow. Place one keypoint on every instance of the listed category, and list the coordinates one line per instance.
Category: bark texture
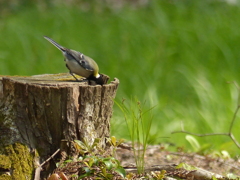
(40, 111)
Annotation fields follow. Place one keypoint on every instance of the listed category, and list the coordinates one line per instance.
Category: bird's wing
(84, 61)
(85, 64)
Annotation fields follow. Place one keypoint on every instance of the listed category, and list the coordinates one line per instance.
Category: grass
(139, 123)
(177, 55)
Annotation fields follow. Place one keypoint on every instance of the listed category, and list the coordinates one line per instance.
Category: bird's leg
(73, 75)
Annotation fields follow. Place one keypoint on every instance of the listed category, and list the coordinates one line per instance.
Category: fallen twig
(39, 168)
(172, 170)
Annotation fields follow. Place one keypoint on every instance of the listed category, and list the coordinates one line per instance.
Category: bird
(79, 64)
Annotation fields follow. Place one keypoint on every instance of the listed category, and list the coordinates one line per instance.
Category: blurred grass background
(177, 55)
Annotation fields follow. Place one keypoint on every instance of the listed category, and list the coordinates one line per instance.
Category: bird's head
(98, 79)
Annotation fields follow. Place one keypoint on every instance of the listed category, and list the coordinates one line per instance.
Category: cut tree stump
(37, 113)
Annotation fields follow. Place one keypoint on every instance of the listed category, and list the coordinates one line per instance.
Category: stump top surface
(55, 79)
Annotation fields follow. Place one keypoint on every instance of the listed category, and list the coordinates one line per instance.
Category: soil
(157, 155)
(157, 158)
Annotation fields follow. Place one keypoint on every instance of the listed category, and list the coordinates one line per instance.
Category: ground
(194, 166)
(157, 155)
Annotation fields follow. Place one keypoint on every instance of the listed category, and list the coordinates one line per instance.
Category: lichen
(18, 160)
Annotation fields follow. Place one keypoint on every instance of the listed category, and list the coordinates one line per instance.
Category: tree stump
(38, 112)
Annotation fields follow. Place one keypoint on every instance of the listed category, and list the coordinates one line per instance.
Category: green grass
(177, 55)
(139, 123)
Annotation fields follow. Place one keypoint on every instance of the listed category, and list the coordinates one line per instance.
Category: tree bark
(38, 112)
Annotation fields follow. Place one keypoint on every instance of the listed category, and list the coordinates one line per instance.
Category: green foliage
(193, 141)
(232, 176)
(186, 167)
(158, 175)
(94, 166)
(176, 54)
(214, 178)
(104, 164)
(84, 147)
(114, 143)
(206, 149)
(139, 121)
(91, 163)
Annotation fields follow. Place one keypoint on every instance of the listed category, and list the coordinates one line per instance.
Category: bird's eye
(82, 62)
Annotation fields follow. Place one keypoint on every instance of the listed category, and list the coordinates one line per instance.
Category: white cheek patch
(98, 75)
(81, 56)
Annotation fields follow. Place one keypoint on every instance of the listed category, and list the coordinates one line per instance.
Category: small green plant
(101, 167)
(91, 164)
(186, 167)
(194, 142)
(158, 175)
(84, 147)
(139, 123)
(114, 143)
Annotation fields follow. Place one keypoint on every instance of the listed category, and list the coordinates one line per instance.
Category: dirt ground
(156, 155)
(157, 159)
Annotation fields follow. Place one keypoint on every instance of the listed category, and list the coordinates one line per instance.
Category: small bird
(79, 64)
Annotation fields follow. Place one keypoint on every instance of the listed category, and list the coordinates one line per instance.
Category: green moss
(5, 162)
(5, 177)
(19, 161)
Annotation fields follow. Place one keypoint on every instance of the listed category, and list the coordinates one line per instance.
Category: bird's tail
(55, 43)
